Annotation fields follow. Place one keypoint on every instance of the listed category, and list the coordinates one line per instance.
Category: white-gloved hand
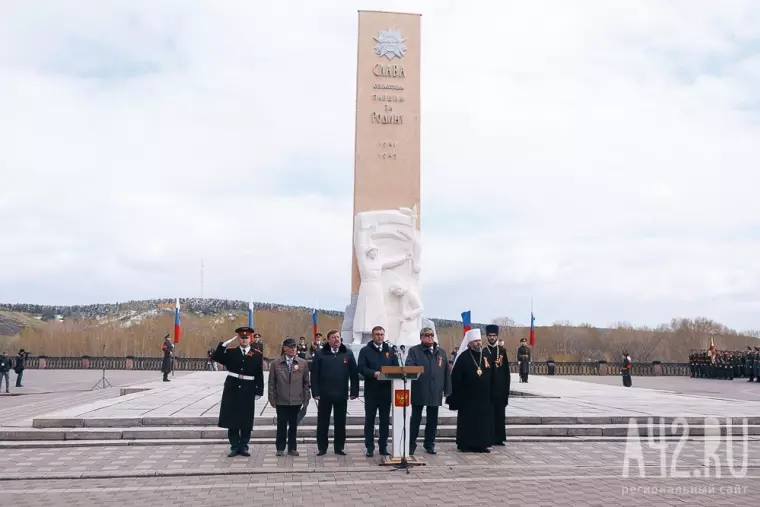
(229, 341)
(258, 398)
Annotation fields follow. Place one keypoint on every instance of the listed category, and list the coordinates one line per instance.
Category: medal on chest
(479, 372)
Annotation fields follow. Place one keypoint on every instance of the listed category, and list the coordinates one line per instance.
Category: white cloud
(601, 158)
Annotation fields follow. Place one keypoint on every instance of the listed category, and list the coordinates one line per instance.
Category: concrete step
(45, 444)
(267, 433)
(311, 420)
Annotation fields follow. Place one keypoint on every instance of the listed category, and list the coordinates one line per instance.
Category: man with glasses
(429, 389)
(242, 387)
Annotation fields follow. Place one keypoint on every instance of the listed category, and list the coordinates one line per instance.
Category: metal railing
(201, 363)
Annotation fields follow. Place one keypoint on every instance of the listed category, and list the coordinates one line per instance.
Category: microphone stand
(404, 465)
(103, 382)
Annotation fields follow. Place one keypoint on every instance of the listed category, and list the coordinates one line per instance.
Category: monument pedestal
(401, 378)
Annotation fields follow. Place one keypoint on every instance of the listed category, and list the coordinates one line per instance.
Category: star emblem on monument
(390, 43)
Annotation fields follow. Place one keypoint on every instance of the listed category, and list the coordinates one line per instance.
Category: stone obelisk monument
(385, 280)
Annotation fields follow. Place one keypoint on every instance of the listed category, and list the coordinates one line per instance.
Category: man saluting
(242, 387)
(471, 378)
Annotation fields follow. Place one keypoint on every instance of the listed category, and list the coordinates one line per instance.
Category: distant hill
(137, 328)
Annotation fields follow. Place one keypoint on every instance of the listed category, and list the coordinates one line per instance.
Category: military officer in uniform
(166, 364)
(523, 357)
(242, 387)
(692, 364)
(316, 344)
(257, 343)
(302, 348)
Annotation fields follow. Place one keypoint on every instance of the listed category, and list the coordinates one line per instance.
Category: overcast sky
(601, 157)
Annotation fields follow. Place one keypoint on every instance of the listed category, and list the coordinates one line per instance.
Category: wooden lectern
(401, 377)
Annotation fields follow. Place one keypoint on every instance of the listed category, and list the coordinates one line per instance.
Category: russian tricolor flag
(467, 320)
(177, 326)
(250, 313)
(314, 322)
(532, 330)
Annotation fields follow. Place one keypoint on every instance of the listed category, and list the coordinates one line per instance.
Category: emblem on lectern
(401, 397)
(389, 43)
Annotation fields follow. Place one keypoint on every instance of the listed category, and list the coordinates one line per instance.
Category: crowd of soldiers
(726, 365)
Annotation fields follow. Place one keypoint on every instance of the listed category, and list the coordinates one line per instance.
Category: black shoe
(244, 453)
(369, 453)
(430, 450)
(340, 453)
(502, 444)
(411, 451)
(232, 454)
(321, 453)
(385, 452)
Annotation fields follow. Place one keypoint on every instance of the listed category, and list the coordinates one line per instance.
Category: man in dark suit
(242, 387)
(377, 393)
(332, 369)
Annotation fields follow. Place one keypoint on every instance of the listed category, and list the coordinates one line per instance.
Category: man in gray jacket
(429, 389)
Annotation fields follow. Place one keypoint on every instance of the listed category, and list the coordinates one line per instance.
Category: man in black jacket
(377, 393)
(429, 389)
(332, 368)
(501, 382)
(5, 367)
(20, 366)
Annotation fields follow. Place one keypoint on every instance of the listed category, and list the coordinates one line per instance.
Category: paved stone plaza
(528, 474)
(193, 399)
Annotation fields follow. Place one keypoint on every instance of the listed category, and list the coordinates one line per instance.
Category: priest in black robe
(471, 381)
(497, 356)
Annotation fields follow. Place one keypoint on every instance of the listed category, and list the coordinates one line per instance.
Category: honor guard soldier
(257, 343)
(302, 348)
(627, 369)
(316, 344)
(242, 387)
(692, 363)
(523, 357)
(166, 364)
(501, 381)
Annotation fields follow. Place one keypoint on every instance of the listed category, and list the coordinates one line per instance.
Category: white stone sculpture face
(397, 290)
(372, 254)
